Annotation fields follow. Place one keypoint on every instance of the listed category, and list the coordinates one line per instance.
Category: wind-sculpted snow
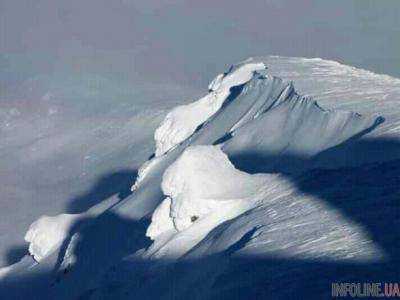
(286, 137)
(183, 120)
(201, 181)
(216, 228)
(46, 234)
(343, 87)
(263, 96)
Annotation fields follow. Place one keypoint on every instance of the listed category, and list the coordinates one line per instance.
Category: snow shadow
(15, 253)
(96, 251)
(366, 193)
(351, 152)
(115, 183)
(100, 243)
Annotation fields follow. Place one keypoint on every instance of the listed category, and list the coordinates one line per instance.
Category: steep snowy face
(288, 135)
(201, 181)
(183, 120)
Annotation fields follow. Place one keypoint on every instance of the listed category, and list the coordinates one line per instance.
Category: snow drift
(201, 181)
(47, 233)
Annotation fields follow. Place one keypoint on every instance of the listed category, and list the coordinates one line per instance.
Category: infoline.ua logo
(366, 289)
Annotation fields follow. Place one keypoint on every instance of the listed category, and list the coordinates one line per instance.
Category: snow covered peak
(207, 205)
(183, 120)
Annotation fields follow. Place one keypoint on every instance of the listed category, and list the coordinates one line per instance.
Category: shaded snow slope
(288, 135)
(317, 215)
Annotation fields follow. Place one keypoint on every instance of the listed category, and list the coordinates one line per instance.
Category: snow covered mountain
(253, 192)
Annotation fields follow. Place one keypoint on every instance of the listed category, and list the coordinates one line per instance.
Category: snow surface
(288, 135)
(46, 234)
(318, 214)
(201, 181)
(183, 120)
(161, 220)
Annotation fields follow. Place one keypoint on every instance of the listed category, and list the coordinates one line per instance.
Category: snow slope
(318, 214)
(182, 121)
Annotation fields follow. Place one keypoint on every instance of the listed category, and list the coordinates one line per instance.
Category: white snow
(47, 233)
(183, 120)
(161, 220)
(143, 171)
(201, 181)
(289, 134)
(216, 82)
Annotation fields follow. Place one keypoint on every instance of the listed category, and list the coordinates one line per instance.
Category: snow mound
(47, 233)
(183, 120)
(201, 181)
(161, 220)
